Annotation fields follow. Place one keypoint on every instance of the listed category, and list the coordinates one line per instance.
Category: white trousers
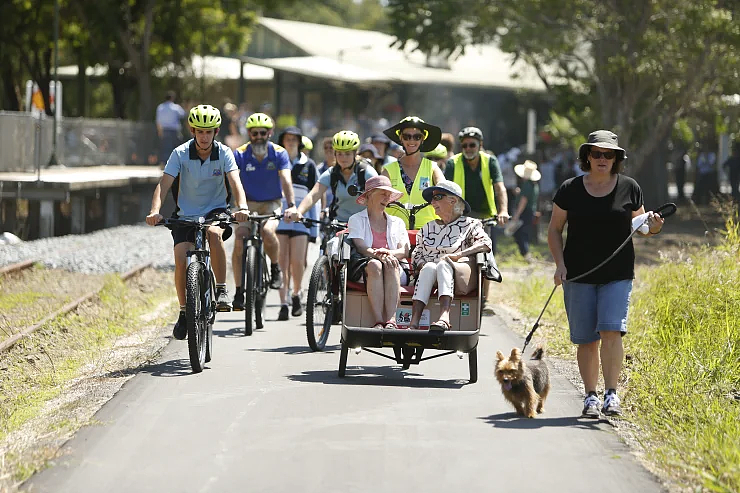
(441, 273)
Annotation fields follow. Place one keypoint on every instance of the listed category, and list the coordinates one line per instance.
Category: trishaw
(409, 345)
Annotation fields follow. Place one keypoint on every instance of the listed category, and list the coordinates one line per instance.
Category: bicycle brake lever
(666, 210)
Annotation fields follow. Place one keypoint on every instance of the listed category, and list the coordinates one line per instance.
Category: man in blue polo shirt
(204, 173)
(264, 169)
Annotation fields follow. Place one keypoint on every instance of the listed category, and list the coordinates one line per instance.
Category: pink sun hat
(378, 182)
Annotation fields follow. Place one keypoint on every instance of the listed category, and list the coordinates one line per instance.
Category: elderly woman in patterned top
(445, 252)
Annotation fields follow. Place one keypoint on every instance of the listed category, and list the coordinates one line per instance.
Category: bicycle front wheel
(250, 291)
(261, 295)
(194, 313)
(319, 305)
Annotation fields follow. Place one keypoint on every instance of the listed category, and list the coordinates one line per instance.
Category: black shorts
(186, 234)
(291, 233)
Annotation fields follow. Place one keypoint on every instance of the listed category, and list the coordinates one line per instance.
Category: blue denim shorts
(593, 308)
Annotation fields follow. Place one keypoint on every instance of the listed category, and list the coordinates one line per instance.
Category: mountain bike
(255, 273)
(324, 299)
(200, 285)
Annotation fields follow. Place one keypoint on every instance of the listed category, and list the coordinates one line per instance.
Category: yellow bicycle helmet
(259, 120)
(307, 144)
(204, 116)
(439, 152)
(345, 140)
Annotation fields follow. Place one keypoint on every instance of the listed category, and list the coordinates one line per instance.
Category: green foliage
(362, 14)
(637, 65)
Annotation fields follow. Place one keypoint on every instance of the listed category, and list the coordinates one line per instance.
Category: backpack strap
(333, 181)
(360, 168)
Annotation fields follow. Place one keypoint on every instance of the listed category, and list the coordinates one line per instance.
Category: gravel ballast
(118, 249)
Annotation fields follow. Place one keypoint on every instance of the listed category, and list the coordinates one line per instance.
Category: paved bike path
(269, 415)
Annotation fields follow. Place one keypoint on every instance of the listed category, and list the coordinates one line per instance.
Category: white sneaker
(591, 406)
(611, 405)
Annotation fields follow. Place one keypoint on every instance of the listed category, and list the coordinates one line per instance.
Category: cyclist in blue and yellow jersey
(202, 173)
(264, 169)
(479, 176)
(349, 170)
(413, 173)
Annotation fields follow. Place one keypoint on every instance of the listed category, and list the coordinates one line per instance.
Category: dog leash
(663, 211)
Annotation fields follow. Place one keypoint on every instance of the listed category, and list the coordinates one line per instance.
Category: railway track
(11, 341)
(13, 268)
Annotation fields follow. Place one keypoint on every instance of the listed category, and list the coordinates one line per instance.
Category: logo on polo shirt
(423, 183)
(271, 165)
(249, 167)
(216, 172)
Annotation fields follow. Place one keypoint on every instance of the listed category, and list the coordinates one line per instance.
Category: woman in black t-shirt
(598, 208)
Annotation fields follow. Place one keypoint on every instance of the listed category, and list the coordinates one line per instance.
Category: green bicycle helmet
(204, 116)
(439, 152)
(345, 140)
(259, 120)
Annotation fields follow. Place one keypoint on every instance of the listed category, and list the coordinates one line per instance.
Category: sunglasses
(471, 145)
(258, 133)
(605, 154)
(416, 137)
(438, 196)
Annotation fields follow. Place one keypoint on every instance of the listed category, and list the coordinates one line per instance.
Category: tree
(27, 47)
(363, 14)
(638, 65)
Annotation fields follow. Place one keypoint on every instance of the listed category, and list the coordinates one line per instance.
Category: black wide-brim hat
(601, 138)
(433, 135)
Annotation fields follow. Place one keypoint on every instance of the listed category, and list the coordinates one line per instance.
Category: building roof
(216, 67)
(338, 51)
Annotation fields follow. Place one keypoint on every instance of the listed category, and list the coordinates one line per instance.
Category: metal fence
(26, 142)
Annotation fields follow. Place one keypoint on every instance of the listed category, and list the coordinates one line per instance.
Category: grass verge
(38, 369)
(681, 383)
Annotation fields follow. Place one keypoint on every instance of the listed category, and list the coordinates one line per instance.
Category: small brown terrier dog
(525, 385)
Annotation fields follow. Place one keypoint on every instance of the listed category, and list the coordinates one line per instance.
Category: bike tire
(195, 280)
(250, 292)
(211, 320)
(261, 295)
(315, 298)
(473, 365)
(344, 352)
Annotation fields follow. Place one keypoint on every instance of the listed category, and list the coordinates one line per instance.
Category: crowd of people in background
(554, 163)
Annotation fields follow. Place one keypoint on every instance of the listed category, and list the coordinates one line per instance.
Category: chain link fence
(27, 142)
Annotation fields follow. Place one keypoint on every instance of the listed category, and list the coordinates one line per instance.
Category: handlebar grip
(666, 210)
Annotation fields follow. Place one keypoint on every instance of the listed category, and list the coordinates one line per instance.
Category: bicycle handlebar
(263, 217)
(333, 223)
(200, 222)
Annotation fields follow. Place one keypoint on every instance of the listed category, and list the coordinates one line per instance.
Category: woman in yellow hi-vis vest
(414, 173)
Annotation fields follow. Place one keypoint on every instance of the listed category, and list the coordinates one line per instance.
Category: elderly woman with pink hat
(381, 243)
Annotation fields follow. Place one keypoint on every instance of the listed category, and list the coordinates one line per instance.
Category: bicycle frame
(202, 254)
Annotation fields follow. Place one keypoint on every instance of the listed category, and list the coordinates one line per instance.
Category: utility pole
(53, 161)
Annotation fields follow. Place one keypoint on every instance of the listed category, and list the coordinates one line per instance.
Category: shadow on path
(381, 377)
(173, 368)
(295, 349)
(512, 421)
